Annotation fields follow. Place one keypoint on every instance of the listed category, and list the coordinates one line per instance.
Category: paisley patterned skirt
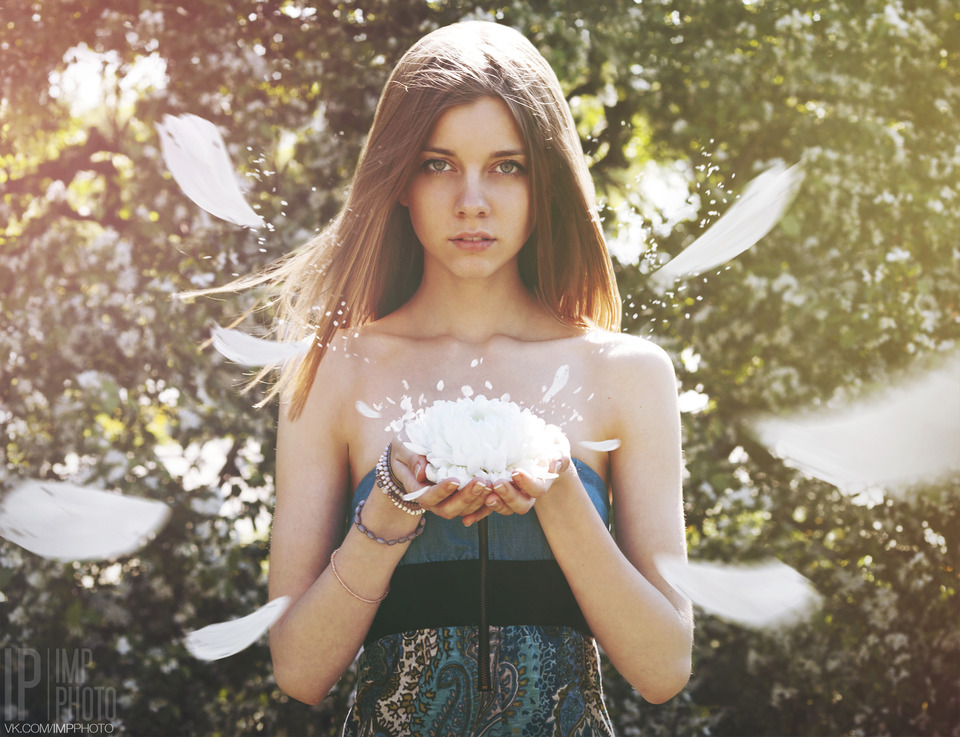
(545, 682)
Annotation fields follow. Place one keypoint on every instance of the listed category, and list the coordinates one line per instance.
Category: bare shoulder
(625, 360)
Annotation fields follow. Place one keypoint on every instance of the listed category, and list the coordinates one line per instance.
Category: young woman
(469, 253)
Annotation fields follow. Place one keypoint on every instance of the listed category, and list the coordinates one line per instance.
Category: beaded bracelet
(354, 594)
(400, 540)
(390, 485)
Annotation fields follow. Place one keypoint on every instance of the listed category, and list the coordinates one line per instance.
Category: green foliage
(103, 377)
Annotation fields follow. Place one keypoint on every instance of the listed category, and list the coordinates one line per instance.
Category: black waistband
(447, 594)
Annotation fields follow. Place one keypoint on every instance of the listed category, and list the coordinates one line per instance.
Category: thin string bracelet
(346, 588)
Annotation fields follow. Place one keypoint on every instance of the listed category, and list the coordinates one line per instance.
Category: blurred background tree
(679, 104)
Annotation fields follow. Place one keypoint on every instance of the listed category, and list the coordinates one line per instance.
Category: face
(469, 198)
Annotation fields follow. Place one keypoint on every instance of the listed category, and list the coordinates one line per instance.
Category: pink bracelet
(354, 594)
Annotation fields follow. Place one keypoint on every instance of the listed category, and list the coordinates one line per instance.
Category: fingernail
(500, 488)
(451, 487)
(492, 502)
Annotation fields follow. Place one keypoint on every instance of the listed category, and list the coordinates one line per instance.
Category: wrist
(384, 520)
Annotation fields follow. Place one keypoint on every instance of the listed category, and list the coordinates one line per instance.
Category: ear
(404, 197)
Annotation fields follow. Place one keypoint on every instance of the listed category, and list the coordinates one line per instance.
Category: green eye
(510, 167)
(435, 165)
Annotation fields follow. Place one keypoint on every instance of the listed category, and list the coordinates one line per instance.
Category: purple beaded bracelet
(400, 540)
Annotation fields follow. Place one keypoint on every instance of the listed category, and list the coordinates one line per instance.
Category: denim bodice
(511, 537)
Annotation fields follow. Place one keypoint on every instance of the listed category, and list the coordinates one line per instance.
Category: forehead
(483, 123)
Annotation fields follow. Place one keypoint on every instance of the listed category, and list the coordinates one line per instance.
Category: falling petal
(65, 522)
(466, 390)
(224, 639)
(559, 381)
(766, 594)
(366, 410)
(196, 156)
(440, 385)
(247, 350)
(603, 446)
(759, 209)
(906, 435)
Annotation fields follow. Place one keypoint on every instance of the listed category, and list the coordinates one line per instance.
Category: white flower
(484, 438)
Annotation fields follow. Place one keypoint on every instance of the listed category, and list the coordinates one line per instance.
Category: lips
(479, 241)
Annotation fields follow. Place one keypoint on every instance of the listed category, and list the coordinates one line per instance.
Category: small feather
(759, 209)
(65, 522)
(603, 446)
(247, 350)
(216, 641)
(197, 157)
(767, 594)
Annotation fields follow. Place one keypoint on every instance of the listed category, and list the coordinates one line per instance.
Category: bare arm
(318, 637)
(645, 628)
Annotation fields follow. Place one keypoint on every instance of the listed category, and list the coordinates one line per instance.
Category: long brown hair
(368, 261)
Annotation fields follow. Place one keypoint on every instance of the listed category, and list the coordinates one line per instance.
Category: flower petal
(602, 446)
(366, 410)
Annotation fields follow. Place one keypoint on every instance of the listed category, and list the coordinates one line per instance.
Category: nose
(472, 200)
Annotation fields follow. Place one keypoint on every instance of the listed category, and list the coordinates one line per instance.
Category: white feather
(767, 594)
(908, 434)
(559, 381)
(197, 157)
(224, 639)
(66, 522)
(760, 207)
(602, 446)
(247, 350)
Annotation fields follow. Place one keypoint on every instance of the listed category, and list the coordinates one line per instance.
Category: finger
(483, 511)
(434, 496)
(400, 455)
(529, 485)
(406, 476)
(511, 499)
(469, 499)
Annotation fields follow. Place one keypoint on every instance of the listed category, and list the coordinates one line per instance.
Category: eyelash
(518, 169)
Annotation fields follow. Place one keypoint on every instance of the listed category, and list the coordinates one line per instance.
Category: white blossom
(483, 438)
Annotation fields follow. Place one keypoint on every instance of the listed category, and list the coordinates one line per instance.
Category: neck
(475, 310)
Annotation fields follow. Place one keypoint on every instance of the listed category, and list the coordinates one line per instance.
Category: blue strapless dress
(481, 635)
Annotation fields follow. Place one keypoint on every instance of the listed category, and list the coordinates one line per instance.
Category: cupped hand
(477, 498)
(519, 494)
(444, 498)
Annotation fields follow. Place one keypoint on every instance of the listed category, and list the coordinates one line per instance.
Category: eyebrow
(494, 155)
